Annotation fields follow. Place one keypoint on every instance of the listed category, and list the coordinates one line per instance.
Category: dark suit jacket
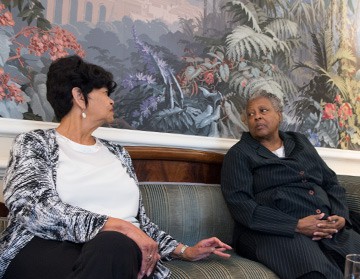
(267, 195)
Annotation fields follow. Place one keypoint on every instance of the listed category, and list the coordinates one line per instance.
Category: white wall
(341, 161)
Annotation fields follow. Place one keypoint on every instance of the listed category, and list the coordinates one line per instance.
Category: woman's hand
(149, 247)
(203, 249)
(334, 223)
(317, 228)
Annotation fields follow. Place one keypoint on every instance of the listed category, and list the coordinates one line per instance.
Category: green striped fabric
(218, 268)
(352, 186)
(190, 212)
(3, 223)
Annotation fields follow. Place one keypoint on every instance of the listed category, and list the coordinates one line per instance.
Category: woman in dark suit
(290, 210)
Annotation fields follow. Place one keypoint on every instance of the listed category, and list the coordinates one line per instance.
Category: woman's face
(262, 118)
(100, 106)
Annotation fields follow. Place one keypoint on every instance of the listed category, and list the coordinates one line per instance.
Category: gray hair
(275, 100)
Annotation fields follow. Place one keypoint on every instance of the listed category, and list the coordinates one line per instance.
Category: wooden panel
(171, 165)
(175, 164)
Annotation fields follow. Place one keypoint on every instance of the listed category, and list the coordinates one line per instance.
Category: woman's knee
(109, 241)
(109, 255)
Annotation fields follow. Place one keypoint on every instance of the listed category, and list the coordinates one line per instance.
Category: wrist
(182, 252)
(179, 251)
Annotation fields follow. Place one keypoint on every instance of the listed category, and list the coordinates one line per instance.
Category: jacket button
(318, 211)
(301, 172)
(311, 192)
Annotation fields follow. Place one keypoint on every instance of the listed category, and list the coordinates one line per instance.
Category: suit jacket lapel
(289, 143)
(260, 149)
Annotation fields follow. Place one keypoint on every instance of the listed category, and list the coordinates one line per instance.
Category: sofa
(181, 193)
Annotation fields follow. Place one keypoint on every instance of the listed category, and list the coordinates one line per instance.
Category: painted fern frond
(283, 28)
(319, 51)
(335, 81)
(243, 41)
(241, 11)
(286, 84)
(306, 65)
(301, 12)
(343, 53)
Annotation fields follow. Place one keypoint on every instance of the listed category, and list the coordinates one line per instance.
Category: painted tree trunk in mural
(188, 66)
(205, 17)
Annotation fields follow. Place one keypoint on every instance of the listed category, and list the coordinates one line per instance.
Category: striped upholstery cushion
(217, 268)
(3, 223)
(352, 186)
(190, 212)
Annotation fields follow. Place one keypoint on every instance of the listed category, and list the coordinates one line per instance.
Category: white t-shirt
(92, 178)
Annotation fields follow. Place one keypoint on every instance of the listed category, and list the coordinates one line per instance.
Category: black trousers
(108, 255)
(299, 256)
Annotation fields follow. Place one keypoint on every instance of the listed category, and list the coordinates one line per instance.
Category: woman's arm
(336, 193)
(201, 250)
(30, 193)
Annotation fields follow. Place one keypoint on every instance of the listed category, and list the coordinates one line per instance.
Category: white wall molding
(341, 161)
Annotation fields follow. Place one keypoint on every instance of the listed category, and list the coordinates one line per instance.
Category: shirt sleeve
(30, 194)
(236, 185)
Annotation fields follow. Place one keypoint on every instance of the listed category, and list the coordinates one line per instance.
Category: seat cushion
(218, 268)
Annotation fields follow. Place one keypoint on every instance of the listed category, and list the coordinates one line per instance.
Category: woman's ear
(243, 117)
(78, 97)
(280, 116)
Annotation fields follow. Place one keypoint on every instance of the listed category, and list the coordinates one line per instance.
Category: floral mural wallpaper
(188, 66)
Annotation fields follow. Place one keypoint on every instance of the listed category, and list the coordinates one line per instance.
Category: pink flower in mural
(345, 111)
(338, 99)
(329, 111)
(8, 89)
(244, 83)
(56, 41)
(209, 78)
(6, 18)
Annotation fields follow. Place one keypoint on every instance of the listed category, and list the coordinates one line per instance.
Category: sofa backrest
(188, 211)
(352, 187)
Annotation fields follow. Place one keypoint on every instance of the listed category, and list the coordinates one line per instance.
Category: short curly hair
(275, 100)
(72, 71)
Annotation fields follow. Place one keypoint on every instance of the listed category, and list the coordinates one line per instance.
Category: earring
(83, 115)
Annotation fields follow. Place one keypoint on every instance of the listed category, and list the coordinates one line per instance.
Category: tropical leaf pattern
(196, 80)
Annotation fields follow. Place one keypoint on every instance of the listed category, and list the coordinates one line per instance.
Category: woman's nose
(258, 116)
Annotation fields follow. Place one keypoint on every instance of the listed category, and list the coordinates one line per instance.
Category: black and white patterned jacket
(35, 208)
